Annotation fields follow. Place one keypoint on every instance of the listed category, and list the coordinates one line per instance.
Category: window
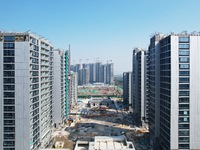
(9, 136)
(8, 45)
(184, 73)
(184, 53)
(184, 93)
(183, 139)
(184, 86)
(9, 87)
(8, 52)
(184, 46)
(9, 38)
(9, 122)
(183, 66)
(9, 115)
(184, 146)
(9, 129)
(9, 108)
(9, 59)
(9, 73)
(184, 100)
(184, 39)
(184, 59)
(9, 143)
(183, 106)
(9, 67)
(183, 133)
(184, 80)
(184, 126)
(9, 94)
(184, 113)
(185, 119)
(9, 80)
(9, 101)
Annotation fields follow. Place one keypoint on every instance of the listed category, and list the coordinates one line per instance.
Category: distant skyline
(104, 29)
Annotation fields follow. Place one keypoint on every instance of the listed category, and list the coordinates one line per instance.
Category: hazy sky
(104, 29)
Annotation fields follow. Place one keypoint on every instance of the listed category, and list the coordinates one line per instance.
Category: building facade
(127, 89)
(59, 99)
(74, 87)
(176, 75)
(26, 93)
(139, 81)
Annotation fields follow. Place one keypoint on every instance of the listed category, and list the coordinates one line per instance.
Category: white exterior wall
(174, 91)
(57, 89)
(194, 92)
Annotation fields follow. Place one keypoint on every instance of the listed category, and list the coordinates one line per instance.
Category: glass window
(9, 101)
(184, 66)
(183, 139)
(9, 115)
(9, 80)
(184, 86)
(183, 133)
(184, 126)
(9, 67)
(9, 38)
(9, 136)
(184, 100)
(8, 52)
(9, 73)
(184, 80)
(9, 59)
(184, 119)
(183, 106)
(184, 53)
(184, 59)
(8, 45)
(184, 93)
(9, 87)
(184, 46)
(184, 113)
(9, 94)
(9, 122)
(184, 39)
(184, 73)
(184, 146)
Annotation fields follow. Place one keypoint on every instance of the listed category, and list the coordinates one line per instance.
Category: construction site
(102, 121)
(99, 90)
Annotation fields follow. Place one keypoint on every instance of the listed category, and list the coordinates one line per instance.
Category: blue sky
(104, 29)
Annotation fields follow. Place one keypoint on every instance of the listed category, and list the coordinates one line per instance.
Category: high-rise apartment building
(74, 87)
(26, 91)
(139, 81)
(174, 91)
(110, 73)
(127, 89)
(59, 99)
(67, 81)
(94, 72)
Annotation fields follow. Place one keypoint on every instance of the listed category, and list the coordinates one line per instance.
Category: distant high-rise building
(127, 89)
(103, 73)
(67, 81)
(94, 72)
(26, 91)
(85, 76)
(110, 73)
(98, 71)
(174, 91)
(59, 99)
(74, 87)
(139, 81)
